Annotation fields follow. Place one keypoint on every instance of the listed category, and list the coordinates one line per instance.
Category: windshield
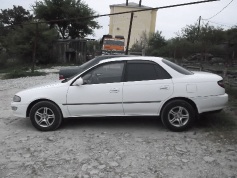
(91, 63)
(85, 66)
(114, 42)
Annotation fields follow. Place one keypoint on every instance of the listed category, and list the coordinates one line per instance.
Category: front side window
(105, 73)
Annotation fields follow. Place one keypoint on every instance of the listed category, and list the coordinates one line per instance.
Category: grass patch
(222, 127)
(21, 73)
(232, 92)
(47, 66)
(226, 120)
(218, 122)
(14, 68)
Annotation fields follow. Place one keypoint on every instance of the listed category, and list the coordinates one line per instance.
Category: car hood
(48, 85)
(55, 91)
(44, 86)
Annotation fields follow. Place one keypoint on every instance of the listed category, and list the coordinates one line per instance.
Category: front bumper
(19, 109)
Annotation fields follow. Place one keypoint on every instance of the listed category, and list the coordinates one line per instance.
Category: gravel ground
(109, 147)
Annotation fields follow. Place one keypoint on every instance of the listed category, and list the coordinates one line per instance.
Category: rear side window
(139, 71)
(177, 67)
(162, 74)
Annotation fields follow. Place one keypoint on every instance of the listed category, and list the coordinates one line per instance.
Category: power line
(219, 11)
(148, 9)
(227, 25)
(119, 13)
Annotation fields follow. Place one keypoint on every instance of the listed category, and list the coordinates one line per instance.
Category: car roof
(113, 56)
(158, 60)
(151, 58)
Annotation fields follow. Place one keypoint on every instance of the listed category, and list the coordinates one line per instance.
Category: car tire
(45, 116)
(178, 115)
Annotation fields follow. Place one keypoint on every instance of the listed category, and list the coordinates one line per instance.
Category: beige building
(144, 21)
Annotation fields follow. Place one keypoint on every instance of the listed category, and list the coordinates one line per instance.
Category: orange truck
(112, 45)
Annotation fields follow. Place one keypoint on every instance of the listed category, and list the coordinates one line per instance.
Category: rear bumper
(211, 103)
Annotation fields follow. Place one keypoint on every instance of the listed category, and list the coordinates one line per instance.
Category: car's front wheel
(178, 115)
(45, 116)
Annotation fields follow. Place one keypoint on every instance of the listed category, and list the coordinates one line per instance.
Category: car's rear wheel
(178, 115)
(45, 116)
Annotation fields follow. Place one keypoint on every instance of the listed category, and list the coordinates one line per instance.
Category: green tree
(207, 34)
(203, 39)
(190, 33)
(231, 35)
(20, 42)
(150, 42)
(142, 43)
(11, 18)
(15, 16)
(206, 40)
(156, 42)
(55, 10)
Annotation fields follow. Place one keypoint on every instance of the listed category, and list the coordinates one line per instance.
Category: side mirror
(78, 82)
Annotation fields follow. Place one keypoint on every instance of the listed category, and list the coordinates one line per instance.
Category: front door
(101, 93)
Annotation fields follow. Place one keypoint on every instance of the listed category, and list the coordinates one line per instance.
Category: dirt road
(111, 147)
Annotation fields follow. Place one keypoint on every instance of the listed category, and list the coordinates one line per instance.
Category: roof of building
(130, 5)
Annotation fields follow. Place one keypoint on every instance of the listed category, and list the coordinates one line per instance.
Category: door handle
(164, 88)
(114, 90)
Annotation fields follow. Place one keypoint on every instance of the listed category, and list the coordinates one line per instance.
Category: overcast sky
(169, 21)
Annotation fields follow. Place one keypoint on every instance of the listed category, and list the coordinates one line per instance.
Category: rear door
(146, 85)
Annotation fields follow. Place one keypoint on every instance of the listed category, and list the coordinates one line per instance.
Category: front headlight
(17, 98)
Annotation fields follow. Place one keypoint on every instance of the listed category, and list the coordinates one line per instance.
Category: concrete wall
(142, 22)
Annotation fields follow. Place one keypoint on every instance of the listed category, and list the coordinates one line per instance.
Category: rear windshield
(177, 67)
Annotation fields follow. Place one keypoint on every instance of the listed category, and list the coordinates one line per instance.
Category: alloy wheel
(44, 117)
(178, 116)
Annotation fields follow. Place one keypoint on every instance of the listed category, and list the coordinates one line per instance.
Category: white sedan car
(128, 86)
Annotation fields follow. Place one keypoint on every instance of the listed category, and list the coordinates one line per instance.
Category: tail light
(221, 83)
(61, 77)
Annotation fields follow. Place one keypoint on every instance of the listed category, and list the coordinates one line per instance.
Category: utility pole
(129, 33)
(199, 21)
(140, 3)
(35, 46)
(126, 2)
